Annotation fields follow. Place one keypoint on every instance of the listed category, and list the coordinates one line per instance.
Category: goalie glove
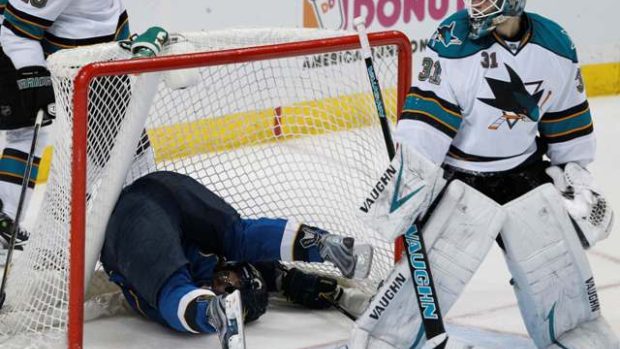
(584, 202)
(36, 93)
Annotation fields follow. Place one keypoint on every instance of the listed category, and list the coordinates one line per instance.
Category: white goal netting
(289, 135)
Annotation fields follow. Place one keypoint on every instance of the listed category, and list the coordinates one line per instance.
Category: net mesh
(294, 137)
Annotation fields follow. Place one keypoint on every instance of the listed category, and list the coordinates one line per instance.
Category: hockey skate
(6, 225)
(354, 261)
(226, 316)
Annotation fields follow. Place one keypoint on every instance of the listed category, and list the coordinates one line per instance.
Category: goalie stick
(429, 309)
(22, 198)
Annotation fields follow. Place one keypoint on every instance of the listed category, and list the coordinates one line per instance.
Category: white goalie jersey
(480, 105)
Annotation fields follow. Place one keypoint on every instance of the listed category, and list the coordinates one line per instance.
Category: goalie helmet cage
(280, 123)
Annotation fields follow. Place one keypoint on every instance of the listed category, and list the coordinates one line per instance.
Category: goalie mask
(231, 276)
(485, 15)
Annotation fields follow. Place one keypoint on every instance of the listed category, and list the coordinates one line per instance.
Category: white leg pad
(593, 334)
(458, 236)
(551, 274)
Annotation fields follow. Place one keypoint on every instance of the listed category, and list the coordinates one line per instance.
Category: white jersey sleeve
(431, 116)
(24, 27)
(32, 30)
(567, 126)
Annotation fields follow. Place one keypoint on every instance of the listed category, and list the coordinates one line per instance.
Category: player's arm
(567, 128)
(431, 116)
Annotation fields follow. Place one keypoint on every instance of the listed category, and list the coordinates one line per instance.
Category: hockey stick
(339, 307)
(358, 23)
(415, 250)
(22, 198)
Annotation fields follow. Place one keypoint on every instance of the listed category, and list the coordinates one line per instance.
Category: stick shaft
(428, 303)
(22, 199)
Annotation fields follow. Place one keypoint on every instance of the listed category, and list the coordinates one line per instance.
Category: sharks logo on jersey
(445, 35)
(514, 99)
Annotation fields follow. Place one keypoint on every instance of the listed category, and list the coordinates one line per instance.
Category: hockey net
(287, 130)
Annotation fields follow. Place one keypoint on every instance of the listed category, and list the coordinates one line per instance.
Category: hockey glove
(310, 290)
(149, 43)
(36, 93)
(584, 202)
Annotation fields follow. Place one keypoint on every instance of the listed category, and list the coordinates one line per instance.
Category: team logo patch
(515, 100)
(445, 35)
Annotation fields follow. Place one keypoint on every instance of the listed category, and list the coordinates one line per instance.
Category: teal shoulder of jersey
(552, 37)
(451, 39)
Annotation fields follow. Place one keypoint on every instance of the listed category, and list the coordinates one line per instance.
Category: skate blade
(234, 317)
(364, 254)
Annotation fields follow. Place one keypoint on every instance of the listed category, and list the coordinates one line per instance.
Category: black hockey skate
(6, 225)
(226, 316)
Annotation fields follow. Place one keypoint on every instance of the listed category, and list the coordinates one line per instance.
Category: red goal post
(192, 60)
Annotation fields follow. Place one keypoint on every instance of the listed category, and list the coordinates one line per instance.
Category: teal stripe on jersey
(16, 168)
(432, 106)
(49, 47)
(123, 32)
(23, 27)
(561, 127)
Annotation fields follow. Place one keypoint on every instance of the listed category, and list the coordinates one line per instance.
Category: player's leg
(143, 254)
(19, 130)
(215, 226)
(551, 275)
(143, 241)
(458, 236)
(290, 240)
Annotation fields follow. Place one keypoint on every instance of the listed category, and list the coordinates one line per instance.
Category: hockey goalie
(486, 155)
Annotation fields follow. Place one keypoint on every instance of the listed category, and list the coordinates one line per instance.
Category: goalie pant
(551, 276)
(168, 232)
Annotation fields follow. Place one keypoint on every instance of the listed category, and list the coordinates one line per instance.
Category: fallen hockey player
(179, 253)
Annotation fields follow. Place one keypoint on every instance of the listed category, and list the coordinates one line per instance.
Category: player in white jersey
(497, 90)
(32, 30)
